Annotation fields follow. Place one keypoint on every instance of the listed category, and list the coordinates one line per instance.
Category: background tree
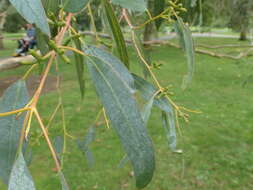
(241, 14)
(4, 4)
(13, 22)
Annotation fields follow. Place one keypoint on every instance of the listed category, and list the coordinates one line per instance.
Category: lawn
(217, 144)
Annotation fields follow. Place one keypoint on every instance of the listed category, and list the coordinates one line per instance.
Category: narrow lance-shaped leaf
(85, 143)
(33, 12)
(187, 44)
(74, 6)
(79, 62)
(145, 113)
(115, 87)
(20, 178)
(42, 40)
(158, 9)
(170, 129)
(15, 97)
(117, 33)
(147, 91)
(147, 109)
(134, 5)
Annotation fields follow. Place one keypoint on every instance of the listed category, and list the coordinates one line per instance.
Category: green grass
(217, 144)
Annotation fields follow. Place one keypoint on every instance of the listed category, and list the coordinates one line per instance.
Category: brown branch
(197, 50)
(219, 55)
(59, 39)
(45, 133)
(224, 46)
(14, 62)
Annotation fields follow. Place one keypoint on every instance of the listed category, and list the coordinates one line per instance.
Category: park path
(204, 35)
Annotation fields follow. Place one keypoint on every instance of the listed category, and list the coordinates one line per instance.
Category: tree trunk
(149, 28)
(243, 35)
(1, 42)
(2, 21)
(4, 4)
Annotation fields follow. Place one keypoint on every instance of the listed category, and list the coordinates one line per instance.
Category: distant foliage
(14, 23)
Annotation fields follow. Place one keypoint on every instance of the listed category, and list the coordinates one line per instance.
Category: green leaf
(52, 6)
(147, 110)
(33, 12)
(20, 178)
(117, 33)
(194, 3)
(115, 87)
(79, 63)
(170, 129)
(74, 6)
(42, 40)
(147, 91)
(15, 97)
(84, 145)
(187, 44)
(134, 5)
(159, 6)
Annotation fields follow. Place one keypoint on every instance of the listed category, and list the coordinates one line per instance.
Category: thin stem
(161, 89)
(152, 18)
(72, 49)
(14, 112)
(58, 166)
(106, 119)
(28, 72)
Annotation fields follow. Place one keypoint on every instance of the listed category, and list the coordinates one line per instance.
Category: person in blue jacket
(28, 42)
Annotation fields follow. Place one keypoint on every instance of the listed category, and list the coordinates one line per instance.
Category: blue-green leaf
(64, 183)
(145, 113)
(20, 178)
(147, 110)
(33, 12)
(74, 6)
(117, 33)
(187, 44)
(134, 5)
(170, 129)
(115, 87)
(147, 91)
(15, 97)
(85, 143)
